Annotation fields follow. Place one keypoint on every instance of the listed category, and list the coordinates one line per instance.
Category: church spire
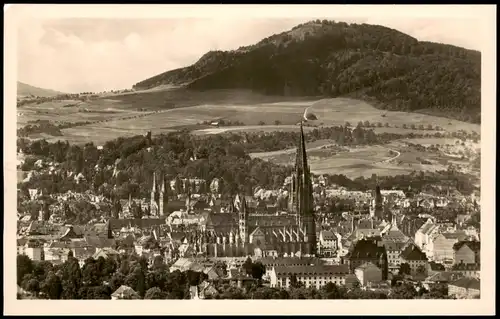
(153, 209)
(305, 196)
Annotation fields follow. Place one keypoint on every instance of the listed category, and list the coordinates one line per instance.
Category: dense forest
(383, 66)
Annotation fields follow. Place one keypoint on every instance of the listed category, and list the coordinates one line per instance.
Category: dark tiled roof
(468, 283)
(100, 242)
(136, 222)
(366, 248)
(465, 267)
(290, 261)
(271, 220)
(412, 252)
(328, 235)
(460, 235)
(365, 224)
(222, 219)
(312, 270)
(436, 266)
(174, 205)
(394, 246)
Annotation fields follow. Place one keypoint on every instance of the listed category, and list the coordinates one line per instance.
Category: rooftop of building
(467, 283)
(312, 270)
(413, 253)
(475, 246)
(287, 261)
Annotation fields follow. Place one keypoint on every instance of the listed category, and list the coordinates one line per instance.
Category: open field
(352, 163)
(162, 111)
(338, 111)
(391, 159)
(251, 128)
(329, 112)
(242, 105)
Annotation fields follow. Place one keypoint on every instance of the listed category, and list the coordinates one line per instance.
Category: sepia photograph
(326, 154)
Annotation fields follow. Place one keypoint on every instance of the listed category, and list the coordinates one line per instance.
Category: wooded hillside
(383, 66)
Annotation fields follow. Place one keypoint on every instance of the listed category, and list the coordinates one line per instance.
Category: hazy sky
(76, 55)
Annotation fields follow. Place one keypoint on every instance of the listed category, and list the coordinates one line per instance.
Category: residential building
(271, 262)
(328, 242)
(413, 256)
(467, 270)
(467, 252)
(393, 234)
(34, 250)
(21, 245)
(443, 246)
(184, 264)
(394, 250)
(465, 288)
(367, 250)
(310, 276)
(368, 273)
(442, 277)
(425, 236)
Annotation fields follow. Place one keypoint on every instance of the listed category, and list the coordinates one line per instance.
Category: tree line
(99, 278)
(125, 166)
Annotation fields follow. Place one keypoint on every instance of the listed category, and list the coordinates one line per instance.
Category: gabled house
(413, 256)
(394, 250)
(368, 273)
(368, 250)
(328, 242)
(443, 246)
(467, 252)
(425, 236)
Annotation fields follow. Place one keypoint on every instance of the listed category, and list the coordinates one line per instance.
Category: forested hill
(388, 68)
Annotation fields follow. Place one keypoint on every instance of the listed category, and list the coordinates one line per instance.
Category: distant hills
(24, 89)
(383, 66)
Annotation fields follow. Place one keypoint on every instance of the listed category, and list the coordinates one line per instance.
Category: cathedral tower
(153, 204)
(162, 200)
(378, 210)
(304, 195)
(241, 206)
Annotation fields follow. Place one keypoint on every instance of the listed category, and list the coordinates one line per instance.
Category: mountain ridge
(24, 89)
(384, 66)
